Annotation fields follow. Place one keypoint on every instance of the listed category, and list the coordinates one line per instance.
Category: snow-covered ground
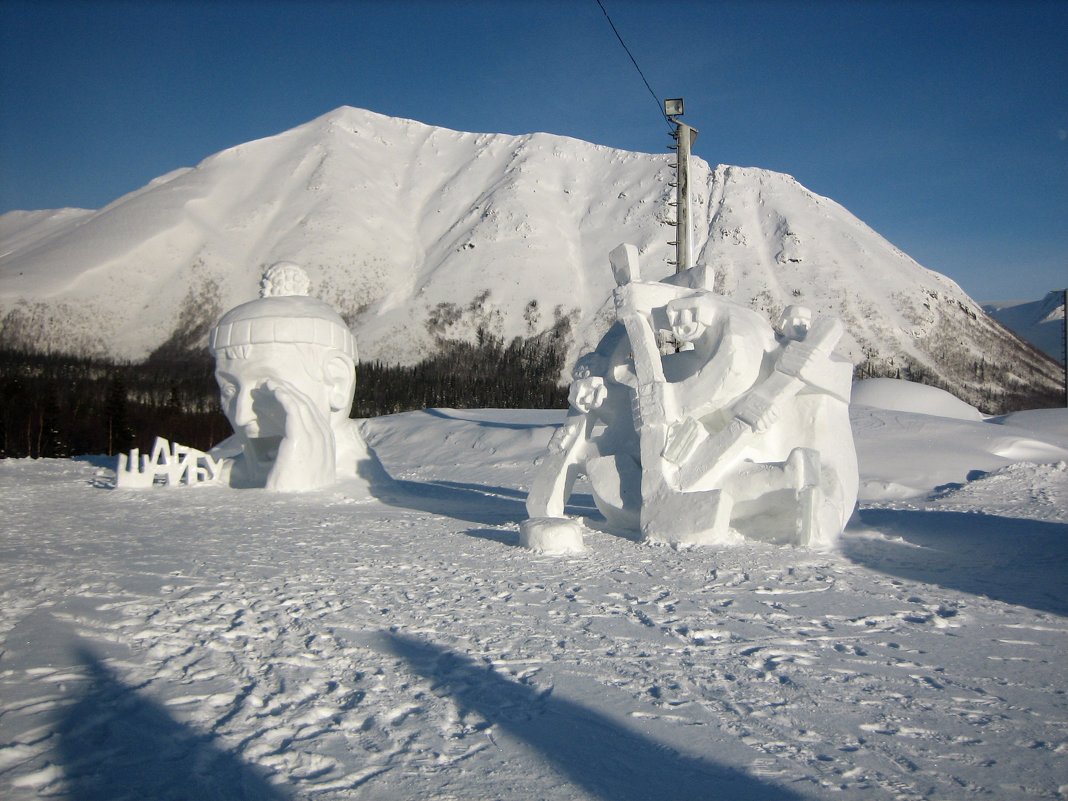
(201, 643)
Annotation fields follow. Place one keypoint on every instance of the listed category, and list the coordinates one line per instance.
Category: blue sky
(943, 125)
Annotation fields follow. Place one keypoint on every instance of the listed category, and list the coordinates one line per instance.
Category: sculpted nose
(242, 408)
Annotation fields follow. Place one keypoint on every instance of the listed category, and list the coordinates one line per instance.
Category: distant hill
(1040, 322)
(418, 233)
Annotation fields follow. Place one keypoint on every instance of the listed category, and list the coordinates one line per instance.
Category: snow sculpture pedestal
(551, 535)
(286, 369)
(698, 423)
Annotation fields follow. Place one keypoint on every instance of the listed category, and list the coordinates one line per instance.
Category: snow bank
(1045, 422)
(503, 440)
(911, 455)
(906, 396)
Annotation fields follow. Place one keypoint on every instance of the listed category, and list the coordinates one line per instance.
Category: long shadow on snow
(601, 756)
(442, 414)
(474, 503)
(1021, 562)
(115, 744)
(579, 504)
(471, 503)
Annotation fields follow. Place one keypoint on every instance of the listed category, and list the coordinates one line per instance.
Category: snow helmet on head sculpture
(284, 313)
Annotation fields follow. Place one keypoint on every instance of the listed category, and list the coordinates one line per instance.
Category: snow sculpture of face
(684, 316)
(285, 365)
(250, 377)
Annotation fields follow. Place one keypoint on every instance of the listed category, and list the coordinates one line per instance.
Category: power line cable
(659, 105)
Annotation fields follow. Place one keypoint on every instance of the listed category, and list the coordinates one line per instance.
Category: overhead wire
(659, 105)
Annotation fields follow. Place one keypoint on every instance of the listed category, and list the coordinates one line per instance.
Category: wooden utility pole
(684, 135)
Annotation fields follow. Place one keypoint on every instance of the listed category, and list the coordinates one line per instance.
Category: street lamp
(673, 107)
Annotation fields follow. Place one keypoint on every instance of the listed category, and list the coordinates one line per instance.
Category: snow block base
(690, 518)
(553, 535)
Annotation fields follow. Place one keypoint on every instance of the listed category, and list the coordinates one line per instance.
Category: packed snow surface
(206, 642)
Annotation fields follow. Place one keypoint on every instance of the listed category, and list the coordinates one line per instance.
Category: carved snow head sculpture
(285, 365)
(685, 317)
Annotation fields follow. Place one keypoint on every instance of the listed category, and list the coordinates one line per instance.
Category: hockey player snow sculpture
(737, 430)
(286, 369)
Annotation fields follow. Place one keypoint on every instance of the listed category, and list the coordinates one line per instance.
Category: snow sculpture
(697, 423)
(551, 535)
(169, 463)
(286, 369)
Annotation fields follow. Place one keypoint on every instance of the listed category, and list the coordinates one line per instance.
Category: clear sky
(943, 125)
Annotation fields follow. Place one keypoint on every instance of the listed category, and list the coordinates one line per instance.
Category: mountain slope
(1040, 322)
(416, 232)
(775, 242)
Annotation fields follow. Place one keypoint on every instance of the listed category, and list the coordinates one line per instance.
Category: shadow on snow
(473, 503)
(604, 758)
(443, 414)
(470, 503)
(113, 744)
(1021, 562)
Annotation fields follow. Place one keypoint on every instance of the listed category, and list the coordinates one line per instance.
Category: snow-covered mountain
(415, 232)
(1040, 322)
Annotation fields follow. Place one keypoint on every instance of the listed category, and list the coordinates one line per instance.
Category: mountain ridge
(1040, 322)
(418, 233)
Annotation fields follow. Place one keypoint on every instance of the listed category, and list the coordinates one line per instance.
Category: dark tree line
(484, 374)
(56, 405)
(59, 406)
(1028, 389)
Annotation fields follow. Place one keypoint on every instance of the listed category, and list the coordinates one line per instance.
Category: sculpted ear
(340, 376)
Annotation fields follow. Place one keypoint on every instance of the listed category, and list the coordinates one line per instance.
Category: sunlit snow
(206, 642)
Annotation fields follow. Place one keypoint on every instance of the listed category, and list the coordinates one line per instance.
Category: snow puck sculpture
(551, 535)
(698, 423)
(286, 368)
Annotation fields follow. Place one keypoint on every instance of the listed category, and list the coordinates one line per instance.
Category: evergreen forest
(61, 406)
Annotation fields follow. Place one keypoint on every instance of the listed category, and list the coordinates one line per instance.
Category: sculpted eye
(227, 391)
